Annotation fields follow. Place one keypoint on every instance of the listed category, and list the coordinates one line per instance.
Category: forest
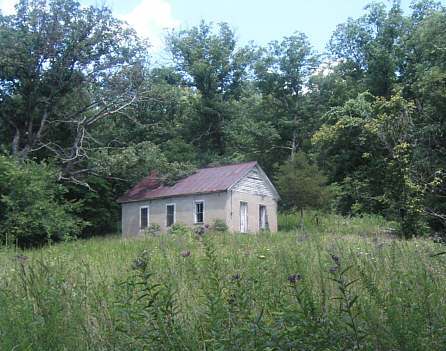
(85, 113)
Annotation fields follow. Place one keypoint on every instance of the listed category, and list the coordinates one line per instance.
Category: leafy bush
(219, 225)
(152, 229)
(180, 229)
(200, 230)
(302, 185)
(32, 209)
(98, 206)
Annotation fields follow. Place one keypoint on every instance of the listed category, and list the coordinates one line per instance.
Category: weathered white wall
(214, 207)
(255, 189)
(253, 183)
(254, 201)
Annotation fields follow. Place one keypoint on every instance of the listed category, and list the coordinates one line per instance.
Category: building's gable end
(255, 182)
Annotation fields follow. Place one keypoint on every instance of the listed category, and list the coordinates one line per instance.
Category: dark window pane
(199, 212)
(144, 217)
(170, 216)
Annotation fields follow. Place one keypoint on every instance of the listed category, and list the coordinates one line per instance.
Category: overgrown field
(335, 284)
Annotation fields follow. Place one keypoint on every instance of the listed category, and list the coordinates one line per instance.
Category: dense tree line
(84, 115)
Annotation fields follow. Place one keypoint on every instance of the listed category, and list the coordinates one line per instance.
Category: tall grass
(336, 284)
(322, 223)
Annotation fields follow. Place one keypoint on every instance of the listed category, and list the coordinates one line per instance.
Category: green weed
(332, 284)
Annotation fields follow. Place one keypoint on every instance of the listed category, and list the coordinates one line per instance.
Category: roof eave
(171, 196)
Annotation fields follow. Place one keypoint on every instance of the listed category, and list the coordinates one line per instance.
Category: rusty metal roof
(205, 180)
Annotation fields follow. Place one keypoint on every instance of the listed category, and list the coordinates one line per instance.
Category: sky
(260, 21)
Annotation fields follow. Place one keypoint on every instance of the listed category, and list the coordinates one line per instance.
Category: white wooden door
(263, 222)
(243, 217)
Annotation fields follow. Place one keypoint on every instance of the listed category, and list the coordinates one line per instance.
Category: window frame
(140, 217)
(174, 214)
(195, 211)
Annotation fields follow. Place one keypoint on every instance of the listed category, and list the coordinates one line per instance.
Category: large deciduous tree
(424, 83)
(369, 48)
(210, 62)
(283, 70)
(63, 68)
(367, 146)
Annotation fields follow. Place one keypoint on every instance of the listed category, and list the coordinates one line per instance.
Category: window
(199, 212)
(263, 218)
(143, 217)
(170, 214)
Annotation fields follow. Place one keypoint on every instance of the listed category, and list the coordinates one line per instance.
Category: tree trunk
(293, 145)
(15, 142)
(294, 142)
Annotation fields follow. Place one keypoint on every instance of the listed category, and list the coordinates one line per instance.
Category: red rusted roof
(205, 180)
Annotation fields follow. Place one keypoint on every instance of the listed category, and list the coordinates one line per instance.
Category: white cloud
(150, 18)
(7, 6)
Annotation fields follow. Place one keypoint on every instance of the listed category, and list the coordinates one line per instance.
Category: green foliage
(148, 312)
(370, 47)
(32, 209)
(220, 226)
(180, 229)
(47, 301)
(375, 170)
(400, 58)
(252, 133)
(282, 72)
(407, 194)
(342, 284)
(170, 173)
(209, 60)
(424, 81)
(210, 57)
(77, 92)
(315, 222)
(302, 185)
(98, 206)
(64, 68)
(153, 229)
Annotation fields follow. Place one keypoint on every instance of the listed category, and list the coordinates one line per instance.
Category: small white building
(241, 195)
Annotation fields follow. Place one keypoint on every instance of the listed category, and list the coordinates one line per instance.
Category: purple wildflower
(235, 277)
(336, 259)
(199, 231)
(21, 258)
(294, 278)
(185, 253)
(139, 264)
